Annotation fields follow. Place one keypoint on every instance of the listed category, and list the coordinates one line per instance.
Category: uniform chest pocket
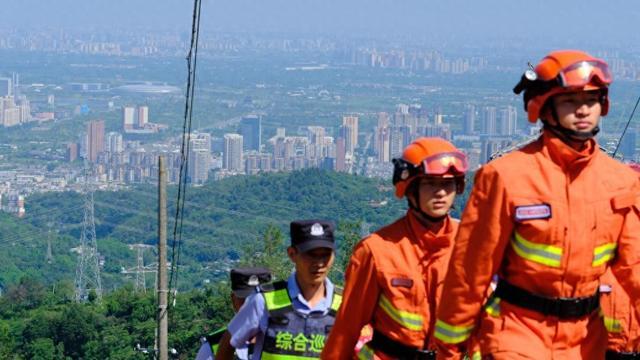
(401, 298)
(537, 234)
(610, 214)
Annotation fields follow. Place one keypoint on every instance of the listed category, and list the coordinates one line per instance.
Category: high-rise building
(438, 119)
(6, 88)
(72, 152)
(396, 142)
(489, 126)
(383, 143)
(95, 139)
(114, 143)
(469, 123)
(316, 135)
(350, 133)
(341, 154)
(128, 117)
(199, 163)
(251, 131)
(201, 141)
(232, 154)
(143, 116)
(507, 121)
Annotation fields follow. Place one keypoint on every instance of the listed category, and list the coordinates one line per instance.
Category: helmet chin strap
(568, 134)
(415, 191)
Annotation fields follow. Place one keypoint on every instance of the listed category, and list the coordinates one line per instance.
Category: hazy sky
(460, 20)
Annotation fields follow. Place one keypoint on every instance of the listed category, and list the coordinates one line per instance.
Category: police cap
(245, 280)
(312, 234)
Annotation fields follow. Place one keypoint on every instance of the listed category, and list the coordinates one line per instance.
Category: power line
(625, 128)
(192, 62)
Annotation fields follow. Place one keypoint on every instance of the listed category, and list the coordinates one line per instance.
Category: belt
(616, 355)
(398, 350)
(562, 308)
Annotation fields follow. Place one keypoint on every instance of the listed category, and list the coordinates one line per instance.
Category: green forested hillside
(240, 220)
(221, 219)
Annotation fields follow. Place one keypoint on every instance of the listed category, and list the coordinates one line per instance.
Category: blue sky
(457, 20)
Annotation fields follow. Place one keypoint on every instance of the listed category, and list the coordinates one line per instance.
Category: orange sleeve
(626, 267)
(483, 235)
(358, 304)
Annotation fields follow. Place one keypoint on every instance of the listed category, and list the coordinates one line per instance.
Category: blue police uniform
(253, 318)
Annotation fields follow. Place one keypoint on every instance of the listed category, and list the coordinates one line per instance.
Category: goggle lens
(442, 163)
(582, 73)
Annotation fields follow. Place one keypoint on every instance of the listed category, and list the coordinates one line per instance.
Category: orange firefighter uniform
(394, 278)
(620, 320)
(549, 220)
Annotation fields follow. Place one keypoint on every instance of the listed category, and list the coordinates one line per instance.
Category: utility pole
(49, 252)
(163, 316)
(88, 269)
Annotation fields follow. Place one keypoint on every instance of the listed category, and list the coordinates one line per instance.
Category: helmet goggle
(583, 72)
(440, 164)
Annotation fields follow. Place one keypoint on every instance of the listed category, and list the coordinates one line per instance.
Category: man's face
(312, 266)
(579, 111)
(436, 195)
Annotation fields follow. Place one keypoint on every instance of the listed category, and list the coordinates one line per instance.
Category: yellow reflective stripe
(452, 334)
(612, 324)
(409, 320)
(337, 300)
(476, 356)
(276, 299)
(366, 353)
(603, 253)
(493, 306)
(269, 356)
(541, 253)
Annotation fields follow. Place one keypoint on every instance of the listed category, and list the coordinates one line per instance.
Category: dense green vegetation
(221, 219)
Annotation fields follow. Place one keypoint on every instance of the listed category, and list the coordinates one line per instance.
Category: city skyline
(443, 21)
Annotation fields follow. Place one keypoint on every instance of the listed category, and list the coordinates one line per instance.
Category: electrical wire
(192, 57)
(625, 128)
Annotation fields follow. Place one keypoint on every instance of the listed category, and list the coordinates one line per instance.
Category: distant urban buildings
(349, 132)
(15, 109)
(95, 139)
(232, 154)
(251, 131)
(135, 120)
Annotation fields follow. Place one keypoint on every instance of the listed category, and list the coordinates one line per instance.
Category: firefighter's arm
(479, 247)
(626, 266)
(358, 303)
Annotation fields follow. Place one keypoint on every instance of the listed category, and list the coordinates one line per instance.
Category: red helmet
(561, 72)
(428, 157)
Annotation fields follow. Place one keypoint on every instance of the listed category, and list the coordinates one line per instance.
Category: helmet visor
(583, 72)
(442, 163)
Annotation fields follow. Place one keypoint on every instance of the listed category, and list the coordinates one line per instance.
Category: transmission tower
(140, 270)
(88, 270)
